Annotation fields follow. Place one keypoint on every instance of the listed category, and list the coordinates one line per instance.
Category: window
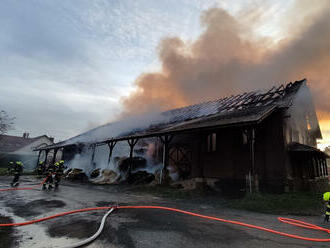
(212, 142)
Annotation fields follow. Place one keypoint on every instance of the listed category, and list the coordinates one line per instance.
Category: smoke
(229, 57)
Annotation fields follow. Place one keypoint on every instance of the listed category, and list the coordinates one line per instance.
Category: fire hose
(111, 208)
(93, 237)
(25, 188)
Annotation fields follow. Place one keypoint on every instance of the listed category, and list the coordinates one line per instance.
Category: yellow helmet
(61, 161)
(57, 163)
(326, 196)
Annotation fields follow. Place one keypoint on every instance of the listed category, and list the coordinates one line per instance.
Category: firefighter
(50, 178)
(59, 168)
(326, 198)
(40, 168)
(17, 170)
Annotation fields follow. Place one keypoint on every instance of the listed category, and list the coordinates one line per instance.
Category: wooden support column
(325, 166)
(111, 145)
(54, 155)
(93, 146)
(166, 141)
(314, 164)
(46, 155)
(318, 167)
(39, 154)
(313, 169)
(131, 142)
(200, 153)
(253, 178)
(319, 162)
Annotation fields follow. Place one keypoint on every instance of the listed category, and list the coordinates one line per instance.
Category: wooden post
(324, 162)
(318, 167)
(321, 167)
(131, 142)
(46, 155)
(111, 145)
(325, 166)
(54, 155)
(253, 176)
(200, 152)
(93, 154)
(39, 154)
(166, 141)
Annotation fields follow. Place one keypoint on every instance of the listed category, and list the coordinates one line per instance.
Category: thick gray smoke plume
(228, 58)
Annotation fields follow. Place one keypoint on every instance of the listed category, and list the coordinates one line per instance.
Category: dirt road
(133, 228)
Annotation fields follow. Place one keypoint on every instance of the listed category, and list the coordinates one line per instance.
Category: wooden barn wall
(231, 161)
(270, 154)
(231, 158)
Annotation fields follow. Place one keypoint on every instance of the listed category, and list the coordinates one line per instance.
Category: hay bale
(108, 177)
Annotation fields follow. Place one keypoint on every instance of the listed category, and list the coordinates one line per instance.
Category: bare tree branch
(6, 122)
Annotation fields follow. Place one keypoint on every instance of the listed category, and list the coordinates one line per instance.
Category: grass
(3, 171)
(295, 203)
(170, 192)
(300, 203)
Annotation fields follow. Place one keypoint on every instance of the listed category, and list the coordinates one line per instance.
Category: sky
(68, 66)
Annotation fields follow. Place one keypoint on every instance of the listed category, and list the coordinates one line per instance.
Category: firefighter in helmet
(326, 198)
(40, 168)
(59, 169)
(17, 170)
(50, 177)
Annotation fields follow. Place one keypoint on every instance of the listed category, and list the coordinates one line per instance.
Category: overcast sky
(64, 65)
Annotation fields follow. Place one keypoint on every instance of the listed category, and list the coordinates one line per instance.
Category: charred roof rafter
(241, 110)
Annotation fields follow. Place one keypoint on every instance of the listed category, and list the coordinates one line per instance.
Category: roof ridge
(260, 95)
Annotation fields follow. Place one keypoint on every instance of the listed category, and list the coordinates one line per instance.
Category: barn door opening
(180, 160)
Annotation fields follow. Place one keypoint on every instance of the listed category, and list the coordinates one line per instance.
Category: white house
(22, 148)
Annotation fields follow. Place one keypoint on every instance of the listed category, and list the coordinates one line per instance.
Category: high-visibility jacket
(18, 168)
(327, 211)
(59, 167)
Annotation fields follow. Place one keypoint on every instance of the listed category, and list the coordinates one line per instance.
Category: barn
(263, 140)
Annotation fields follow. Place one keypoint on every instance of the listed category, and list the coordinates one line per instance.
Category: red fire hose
(25, 188)
(285, 220)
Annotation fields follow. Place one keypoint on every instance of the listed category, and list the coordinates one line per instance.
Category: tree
(6, 122)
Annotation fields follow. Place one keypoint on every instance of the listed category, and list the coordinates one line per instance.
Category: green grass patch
(299, 203)
(302, 203)
(170, 192)
(3, 171)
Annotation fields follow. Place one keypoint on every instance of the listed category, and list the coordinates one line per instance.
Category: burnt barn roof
(248, 107)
